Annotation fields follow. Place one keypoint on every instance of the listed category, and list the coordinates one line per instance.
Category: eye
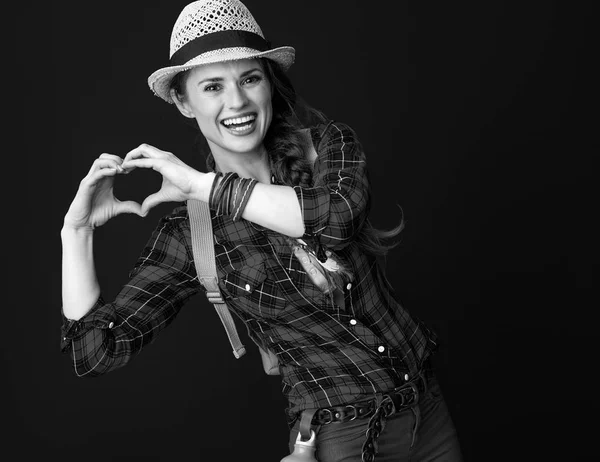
(252, 79)
(212, 87)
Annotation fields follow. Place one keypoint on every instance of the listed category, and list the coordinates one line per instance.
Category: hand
(180, 182)
(94, 203)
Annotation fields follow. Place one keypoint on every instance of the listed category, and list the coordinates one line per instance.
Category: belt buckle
(415, 394)
(406, 398)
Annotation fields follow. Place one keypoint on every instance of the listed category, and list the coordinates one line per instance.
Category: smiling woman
(231, 102)
(295, 253)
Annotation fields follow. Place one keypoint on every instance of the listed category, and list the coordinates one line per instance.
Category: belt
(400, 398)
(378, 409)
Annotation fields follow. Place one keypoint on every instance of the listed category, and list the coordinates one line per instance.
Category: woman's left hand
(180, 182)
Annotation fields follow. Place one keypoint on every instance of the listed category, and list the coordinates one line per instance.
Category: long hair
(285, 144)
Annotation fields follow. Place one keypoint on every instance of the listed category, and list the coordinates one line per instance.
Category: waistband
(397, 399)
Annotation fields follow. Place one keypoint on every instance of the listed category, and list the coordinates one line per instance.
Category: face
(231, 103)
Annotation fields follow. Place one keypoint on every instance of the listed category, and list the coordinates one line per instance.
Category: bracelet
(241, 197)
(229, 194)
(218, 176)
(219, 197)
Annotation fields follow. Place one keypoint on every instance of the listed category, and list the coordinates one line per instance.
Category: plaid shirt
(330, 353)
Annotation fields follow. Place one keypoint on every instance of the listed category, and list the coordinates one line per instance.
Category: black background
(478, 118)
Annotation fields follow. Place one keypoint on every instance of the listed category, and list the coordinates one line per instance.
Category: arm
(272, 206)
(275, 207)
(111, 334)
(94, 204)
(334, 208)
(101, 337)
(80, 288)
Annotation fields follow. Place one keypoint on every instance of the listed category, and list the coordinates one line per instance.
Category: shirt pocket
(251, 289)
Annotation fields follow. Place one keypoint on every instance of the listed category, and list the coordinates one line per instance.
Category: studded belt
(400, 398)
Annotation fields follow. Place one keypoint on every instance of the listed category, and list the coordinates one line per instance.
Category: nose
(236, 97)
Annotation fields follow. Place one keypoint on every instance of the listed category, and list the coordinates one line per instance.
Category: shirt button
(313, 271)
(353, 322)
(406, 377)
(349, 286)
(381, 349)
(248, 287)
(304, 260)
(111, 324)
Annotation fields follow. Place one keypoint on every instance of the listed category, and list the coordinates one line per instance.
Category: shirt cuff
(100, 315)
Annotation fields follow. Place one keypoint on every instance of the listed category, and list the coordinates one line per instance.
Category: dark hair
(284, 141)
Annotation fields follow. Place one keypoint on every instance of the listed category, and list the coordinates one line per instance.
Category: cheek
(202, 106)
(205, 113)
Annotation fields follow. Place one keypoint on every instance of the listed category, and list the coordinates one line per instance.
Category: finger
(151, 201)
(95, 176)
(143, 150)
(152, 163)
(102, 163)
(129, 207)
(114, 157)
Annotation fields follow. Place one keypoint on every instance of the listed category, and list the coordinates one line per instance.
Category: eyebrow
(220, 79)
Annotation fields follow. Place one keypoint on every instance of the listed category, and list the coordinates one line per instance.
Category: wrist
(203, 186)
(72, 231)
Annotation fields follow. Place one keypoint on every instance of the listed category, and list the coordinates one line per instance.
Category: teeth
(239, 129)
(239, 120)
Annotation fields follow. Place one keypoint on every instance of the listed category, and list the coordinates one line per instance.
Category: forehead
(223, 70)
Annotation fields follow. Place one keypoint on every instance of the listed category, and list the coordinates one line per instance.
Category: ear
(183, 106)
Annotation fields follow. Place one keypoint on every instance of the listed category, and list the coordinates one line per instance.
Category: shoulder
(179, 212)
(174, 221)
(169, 245)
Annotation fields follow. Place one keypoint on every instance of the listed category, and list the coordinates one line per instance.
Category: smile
(240, 124)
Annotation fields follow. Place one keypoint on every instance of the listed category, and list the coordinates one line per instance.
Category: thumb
(151, 201)
(129, 207)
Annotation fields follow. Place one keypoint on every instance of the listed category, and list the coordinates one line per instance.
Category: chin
(244, 144)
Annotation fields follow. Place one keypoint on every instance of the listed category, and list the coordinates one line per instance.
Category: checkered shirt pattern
(330, 354)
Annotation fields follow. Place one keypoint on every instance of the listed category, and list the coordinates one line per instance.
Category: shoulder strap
(204, 259)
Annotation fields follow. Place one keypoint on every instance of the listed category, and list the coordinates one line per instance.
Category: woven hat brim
(160, 80)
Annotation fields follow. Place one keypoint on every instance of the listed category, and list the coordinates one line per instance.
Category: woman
(295, 253)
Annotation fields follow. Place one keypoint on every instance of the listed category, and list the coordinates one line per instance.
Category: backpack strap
(204, 259)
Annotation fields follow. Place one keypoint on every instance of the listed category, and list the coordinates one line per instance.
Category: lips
(241, 122)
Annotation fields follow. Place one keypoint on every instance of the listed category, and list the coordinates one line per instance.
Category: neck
(247, 165)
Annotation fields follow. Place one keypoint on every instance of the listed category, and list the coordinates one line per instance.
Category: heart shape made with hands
(178, 180)
(137, 185)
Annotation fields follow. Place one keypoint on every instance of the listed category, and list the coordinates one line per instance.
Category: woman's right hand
(95, 203)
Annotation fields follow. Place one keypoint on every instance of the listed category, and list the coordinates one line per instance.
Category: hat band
(216, 41)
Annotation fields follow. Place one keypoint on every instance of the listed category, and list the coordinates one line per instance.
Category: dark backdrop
(474, 119)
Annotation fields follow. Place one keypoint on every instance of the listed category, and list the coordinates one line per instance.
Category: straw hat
(214, 31)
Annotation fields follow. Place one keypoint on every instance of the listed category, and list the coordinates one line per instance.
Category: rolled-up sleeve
(335, 207)
(100, 316)
(111, 334)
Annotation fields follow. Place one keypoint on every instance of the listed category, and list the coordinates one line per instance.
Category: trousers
(406, 437)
